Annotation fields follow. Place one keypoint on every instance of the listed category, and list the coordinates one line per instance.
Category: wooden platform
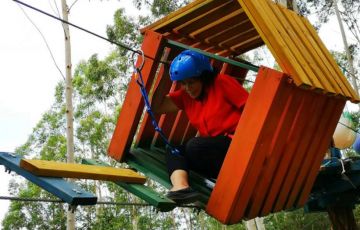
(64, 190)
(79, 171)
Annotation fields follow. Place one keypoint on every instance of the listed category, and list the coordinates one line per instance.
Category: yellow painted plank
(189, 22)
(217, 22)
(226, 30)
(277, 48)
(319, 57)
(354, 96)
(237, 36)
(79, 171)
(329, 85)
(233, 48)
(282, 35)
(177, 14)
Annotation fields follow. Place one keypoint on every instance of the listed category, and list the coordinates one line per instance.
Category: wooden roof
(233, 27)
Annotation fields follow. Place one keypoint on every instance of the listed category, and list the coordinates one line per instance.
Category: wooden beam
(79, 171)
(66, 191)
(133, 105)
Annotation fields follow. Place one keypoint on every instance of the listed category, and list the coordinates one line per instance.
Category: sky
(28, 74)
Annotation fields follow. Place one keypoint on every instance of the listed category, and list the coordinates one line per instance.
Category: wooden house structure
(287, 123)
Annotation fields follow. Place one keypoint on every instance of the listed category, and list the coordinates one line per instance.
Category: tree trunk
(342, 218)
(290, 4)
(69, 107)
(346, 47)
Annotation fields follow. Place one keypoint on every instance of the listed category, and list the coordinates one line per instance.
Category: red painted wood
(264, 144)
(248, 149)
(296, 165)
(166, 123)
(179, 128)
(334, 110)
(293, 141)
(133, 105)
(279, 142)
(235, 71)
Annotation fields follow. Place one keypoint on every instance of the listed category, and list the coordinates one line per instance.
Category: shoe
(183, 196)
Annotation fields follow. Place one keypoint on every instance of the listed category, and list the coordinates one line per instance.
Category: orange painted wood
(279, 142)
(179, 128)
(297, 164)
(334, 109)
(166, 123)
(312, 153)
(264, 144)
(293, 142)
(247, 151)
(133, 105)
(235, 71)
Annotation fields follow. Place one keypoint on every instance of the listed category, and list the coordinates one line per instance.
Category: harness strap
(144, 94)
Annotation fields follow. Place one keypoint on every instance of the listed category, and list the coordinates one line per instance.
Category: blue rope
(144, 94)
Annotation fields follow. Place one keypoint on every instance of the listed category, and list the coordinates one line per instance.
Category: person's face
(193, 86)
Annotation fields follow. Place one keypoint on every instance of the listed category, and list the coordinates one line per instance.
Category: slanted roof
(233, 27)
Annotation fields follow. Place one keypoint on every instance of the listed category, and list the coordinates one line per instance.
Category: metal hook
(142, 59)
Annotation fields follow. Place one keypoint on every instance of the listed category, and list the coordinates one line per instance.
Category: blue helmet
(189, 64)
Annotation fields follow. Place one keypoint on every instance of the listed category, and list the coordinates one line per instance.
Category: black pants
(203, 155)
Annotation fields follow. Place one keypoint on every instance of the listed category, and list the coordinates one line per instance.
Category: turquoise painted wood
(66, 191)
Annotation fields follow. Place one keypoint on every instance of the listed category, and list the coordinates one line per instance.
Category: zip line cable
(43, 37)
(85, 30)
(29, 199)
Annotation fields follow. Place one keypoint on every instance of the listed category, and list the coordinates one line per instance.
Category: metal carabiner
(142, 61)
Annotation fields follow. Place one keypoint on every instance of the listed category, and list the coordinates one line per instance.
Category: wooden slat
(279, 142)
(294, 41)
(293, 142)
(79, 171)
(312, 153)
(319, 58)
(183, 15)
(328, 128)
(65, 190)
(242, 36)
(263, 142)
(179, 127)
(162, 85)
(354, 96)
(246, 153)
(226, 27)
(201, 16)
(133, 105)
(206, 26)
(146, 193)
(216, 14)
(281, 36)
(277, 48)
(245, 43)
(309, 132)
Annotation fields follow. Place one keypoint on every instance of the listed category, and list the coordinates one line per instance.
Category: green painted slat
(146, 193)
(152, 164)
(216, 57)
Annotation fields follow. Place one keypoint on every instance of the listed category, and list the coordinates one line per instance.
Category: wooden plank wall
(133, 105)
(276, 151)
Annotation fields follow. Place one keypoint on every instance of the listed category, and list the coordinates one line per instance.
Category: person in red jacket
(213, 103)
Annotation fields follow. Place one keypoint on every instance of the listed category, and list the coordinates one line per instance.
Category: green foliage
(296, 220)
(160, 8)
